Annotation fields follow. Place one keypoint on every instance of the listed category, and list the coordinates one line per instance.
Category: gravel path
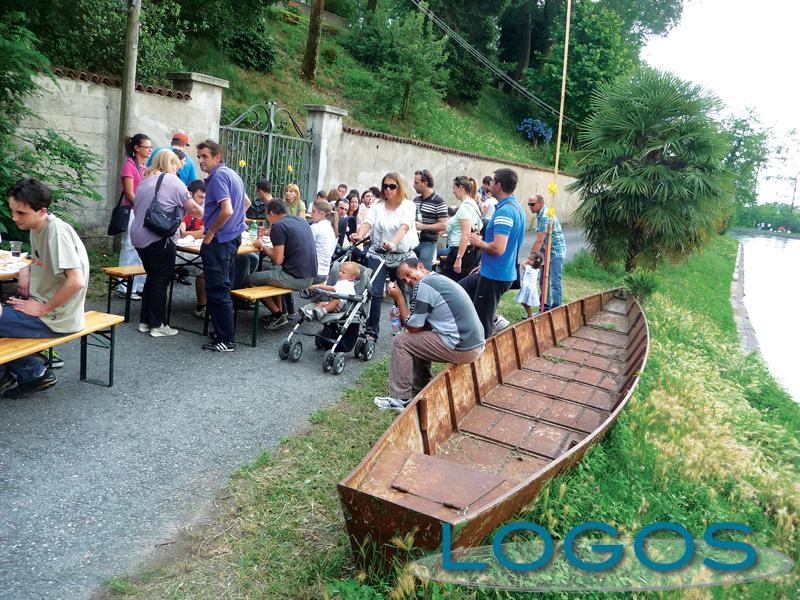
(91, 479)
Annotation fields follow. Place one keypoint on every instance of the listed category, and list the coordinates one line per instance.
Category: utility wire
(514, 84)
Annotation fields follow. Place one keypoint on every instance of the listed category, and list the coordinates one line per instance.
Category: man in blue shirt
(224, 223)
(558, 250)
(180, 141)
(505, 234)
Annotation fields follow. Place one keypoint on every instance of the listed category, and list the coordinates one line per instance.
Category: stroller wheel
(283, 350)
(327, 361)
(296, 351)
(369, 350)
(338, 363)
(358, 348)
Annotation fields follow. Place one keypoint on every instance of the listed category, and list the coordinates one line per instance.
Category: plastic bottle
(253, 229)
(394, 317)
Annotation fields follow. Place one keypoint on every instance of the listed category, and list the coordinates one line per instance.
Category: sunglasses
(390, 186)
(532, 204)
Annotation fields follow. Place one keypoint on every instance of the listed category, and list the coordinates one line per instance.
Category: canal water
(772, 295)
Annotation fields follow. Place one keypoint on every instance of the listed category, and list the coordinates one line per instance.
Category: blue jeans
(15, 324)
(425, 252)
(378, 286)
(219, 264)
(554, 283)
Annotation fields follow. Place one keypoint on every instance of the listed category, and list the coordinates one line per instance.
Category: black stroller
(342, 332)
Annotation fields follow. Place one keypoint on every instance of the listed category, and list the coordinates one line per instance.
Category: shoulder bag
(120, 217)
(158, 220)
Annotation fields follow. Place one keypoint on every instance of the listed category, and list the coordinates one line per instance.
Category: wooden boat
(478, 442)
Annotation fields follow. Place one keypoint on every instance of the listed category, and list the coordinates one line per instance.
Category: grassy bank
(487, 127)
(709, 436)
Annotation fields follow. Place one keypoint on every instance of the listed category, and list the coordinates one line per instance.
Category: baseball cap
(181, 135)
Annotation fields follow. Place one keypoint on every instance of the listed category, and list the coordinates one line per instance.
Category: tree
(90, 34)
(57, 160)
(749, 152)
(600, 49)
(414, 75)
(309, 69)
(650, 170)
(476, 22)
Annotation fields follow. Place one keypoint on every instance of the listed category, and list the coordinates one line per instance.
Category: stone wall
(86, 106)
(360, 159)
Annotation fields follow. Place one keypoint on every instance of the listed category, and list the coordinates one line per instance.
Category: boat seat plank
(558, 388)
(565, 370)
(602, 336)
(445, 482)
(489, 457)
(551, 410)
(606, 319)
(593, 347)
(516, 431)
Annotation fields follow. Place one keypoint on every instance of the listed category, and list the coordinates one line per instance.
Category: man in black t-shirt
(431, 216)
(293, 259)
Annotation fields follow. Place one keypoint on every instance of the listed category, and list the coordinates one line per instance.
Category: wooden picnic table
(10, 266)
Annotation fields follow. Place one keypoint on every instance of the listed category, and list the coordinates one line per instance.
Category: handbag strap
(158, 187)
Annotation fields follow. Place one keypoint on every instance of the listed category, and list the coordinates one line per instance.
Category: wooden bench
(99, 325)
(253, 296)
(118, 276)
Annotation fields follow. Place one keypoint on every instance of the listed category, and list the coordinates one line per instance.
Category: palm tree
(650, 170)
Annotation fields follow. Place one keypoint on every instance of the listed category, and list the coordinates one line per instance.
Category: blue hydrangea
(534, 129)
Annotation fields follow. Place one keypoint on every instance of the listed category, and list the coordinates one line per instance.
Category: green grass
(708, 436)
(487, 127)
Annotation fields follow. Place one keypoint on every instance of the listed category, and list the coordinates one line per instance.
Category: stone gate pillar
(325, 127)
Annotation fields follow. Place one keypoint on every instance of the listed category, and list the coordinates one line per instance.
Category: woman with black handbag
(462, 257)
(161, 202)
(138, 149)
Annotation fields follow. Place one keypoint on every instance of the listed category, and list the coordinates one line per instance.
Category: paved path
(91, 478)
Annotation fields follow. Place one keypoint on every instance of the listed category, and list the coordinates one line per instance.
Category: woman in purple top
(156, 252)
(138, 149)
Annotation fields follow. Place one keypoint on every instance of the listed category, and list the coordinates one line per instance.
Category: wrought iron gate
(265, 142)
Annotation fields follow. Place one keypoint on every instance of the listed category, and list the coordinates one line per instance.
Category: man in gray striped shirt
(441, 326)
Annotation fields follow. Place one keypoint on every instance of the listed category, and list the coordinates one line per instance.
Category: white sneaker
(389, 403)
(308, 312)
(163, 331)
(319, 313)
(500, 323)
(135, 297)
(144, 328)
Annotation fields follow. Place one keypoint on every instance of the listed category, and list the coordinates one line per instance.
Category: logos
(592, 557)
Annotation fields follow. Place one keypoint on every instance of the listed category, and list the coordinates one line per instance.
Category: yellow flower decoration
(551, 212)
(243, 163)
(552, 188)
(290, 168)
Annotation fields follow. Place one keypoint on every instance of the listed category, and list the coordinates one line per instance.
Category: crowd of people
(446, 293)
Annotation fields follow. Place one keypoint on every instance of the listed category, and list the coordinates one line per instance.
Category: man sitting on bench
(292, 259)
(51, 291)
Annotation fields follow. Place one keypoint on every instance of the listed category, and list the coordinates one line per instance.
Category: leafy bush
(57, 160)
(90, 34)
(641, 284)
(252, 49)
(343, 8)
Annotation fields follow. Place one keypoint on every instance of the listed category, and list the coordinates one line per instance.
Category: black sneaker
(219, 346)
(276, 322)
(43, 382)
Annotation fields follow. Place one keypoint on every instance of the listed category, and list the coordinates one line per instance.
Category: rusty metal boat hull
(478, 442)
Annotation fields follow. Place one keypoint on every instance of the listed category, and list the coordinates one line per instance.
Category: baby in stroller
(345, 285)
(344, 320)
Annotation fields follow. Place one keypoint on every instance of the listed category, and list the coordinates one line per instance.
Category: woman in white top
(463, 257)
(390, 224)
(323, 227)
